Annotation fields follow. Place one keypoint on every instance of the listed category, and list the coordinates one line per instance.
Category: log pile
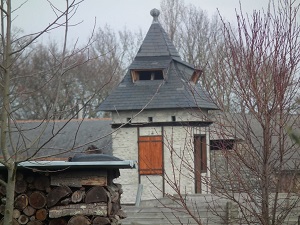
(67, 198)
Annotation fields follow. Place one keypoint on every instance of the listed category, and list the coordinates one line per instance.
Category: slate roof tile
(175, 91)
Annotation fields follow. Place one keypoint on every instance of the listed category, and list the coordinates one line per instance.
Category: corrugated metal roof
(54, 165)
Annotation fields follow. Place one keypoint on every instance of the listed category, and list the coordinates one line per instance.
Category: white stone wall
(178, 153)
(163, 115)
(179, 158)
(125, 147)
(153, 187)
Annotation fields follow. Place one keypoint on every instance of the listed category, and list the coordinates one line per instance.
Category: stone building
(159, 117)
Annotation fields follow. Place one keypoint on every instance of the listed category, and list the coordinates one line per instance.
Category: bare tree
(14, 95)
(262, 59)
(253, 160)
(197, 37)
(104, 62)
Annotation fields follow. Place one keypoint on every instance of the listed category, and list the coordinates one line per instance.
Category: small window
(173, 118)
(150, 119)
(129, 120)
(147, 75)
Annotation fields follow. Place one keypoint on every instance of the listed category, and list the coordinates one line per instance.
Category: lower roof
(55, 165)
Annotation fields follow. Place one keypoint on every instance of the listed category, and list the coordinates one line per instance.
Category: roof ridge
(64, 120)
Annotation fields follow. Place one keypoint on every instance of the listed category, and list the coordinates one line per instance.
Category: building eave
(59, 165)
(164, 124)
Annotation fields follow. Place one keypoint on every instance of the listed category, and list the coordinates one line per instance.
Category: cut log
(99, 220)
(114, 193)
(96, 194)
(121, 214)
(23, 219)
(29, 211)
(56, 194)
(78, 196)
(58, 221)
(113, 208)
(29, 179)
(35, 222)
(41, 214)
(48, 189)
(21, 201)
(19, 176)
(21, 186)
(65, 201)
(95, 209)
(41, 183)
(76, 220)
(37, 199)
(16, 213)
(70, 178)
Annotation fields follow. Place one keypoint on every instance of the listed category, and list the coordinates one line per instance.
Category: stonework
(162, 115)
(159, 110)
(178, 153)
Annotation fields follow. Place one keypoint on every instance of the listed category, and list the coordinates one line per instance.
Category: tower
(159, 115)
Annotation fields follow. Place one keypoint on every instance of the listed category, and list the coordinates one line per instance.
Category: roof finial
(155, 13)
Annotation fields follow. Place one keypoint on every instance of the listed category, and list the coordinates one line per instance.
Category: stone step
(160, 215)
(167, 211)
(165, 221)
(178, 210)
(190, 199)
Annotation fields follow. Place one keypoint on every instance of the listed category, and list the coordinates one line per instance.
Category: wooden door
(200, 163)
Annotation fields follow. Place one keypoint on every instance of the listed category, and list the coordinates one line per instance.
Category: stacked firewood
(38, 202)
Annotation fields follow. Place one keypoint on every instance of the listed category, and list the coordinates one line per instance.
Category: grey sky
(34, 15)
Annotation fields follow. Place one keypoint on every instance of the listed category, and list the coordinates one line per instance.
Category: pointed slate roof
(157, 42)
(173, 92)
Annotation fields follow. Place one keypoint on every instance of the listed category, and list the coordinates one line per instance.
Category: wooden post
(139, 195)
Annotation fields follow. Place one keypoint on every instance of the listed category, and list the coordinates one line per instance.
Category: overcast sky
(34, 15)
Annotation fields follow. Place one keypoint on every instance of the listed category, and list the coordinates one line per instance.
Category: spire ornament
(155, 13)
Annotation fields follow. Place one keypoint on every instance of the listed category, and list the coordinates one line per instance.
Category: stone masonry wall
(180, 139)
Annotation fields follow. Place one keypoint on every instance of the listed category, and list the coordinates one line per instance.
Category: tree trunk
(76, 220)
(99, 220)
(23, 219)
(16, 213)
(37, 199)
(10, 194)
(59, 221)
(21, 202)
(96, 194)
(29, 211)
(14, 222)
(56, 194)
(41, 183)
(41, 214)
(21, 186)
(35, 222)
(5, 110)
(78, 196)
